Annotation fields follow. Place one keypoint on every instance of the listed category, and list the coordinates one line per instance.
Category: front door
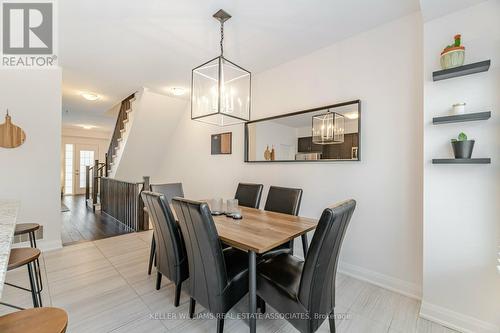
(85, 154)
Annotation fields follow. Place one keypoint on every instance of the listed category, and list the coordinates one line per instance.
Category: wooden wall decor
(222, 143)
(11, 136)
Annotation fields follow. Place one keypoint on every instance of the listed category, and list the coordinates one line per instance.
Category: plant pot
(453, 57)
(463, 149)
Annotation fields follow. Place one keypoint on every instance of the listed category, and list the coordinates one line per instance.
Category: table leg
(252, 287)
(305, 245)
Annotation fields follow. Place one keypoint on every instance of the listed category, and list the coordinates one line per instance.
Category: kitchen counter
(8, 216)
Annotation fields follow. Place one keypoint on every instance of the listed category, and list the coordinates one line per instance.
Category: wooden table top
(260, 230)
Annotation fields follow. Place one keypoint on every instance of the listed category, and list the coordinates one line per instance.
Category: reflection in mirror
(323, 134)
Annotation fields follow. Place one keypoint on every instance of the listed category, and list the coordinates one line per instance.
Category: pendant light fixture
(220, 89)
(328, 128)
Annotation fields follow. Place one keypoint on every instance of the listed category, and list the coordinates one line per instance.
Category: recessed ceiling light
(177, 91)
(89, 96)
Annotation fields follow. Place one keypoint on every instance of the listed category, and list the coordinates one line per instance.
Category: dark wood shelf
(461, 161)
(468, 69)
(461, 118)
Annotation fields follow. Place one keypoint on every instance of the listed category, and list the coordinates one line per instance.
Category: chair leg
(32, 285)
(192, 305)
(331, 321)
(220, 325)
(158, 280)
(177, 294)
(38, 272)
(152, 254)
(305, 245)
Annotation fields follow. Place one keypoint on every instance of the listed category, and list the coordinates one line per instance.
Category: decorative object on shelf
(267, 154)
(222, 143)
(458, 108)
(354, 153)
(328, 128)
(220, 89)
(273, 154)
(462, 148)
(11, 136)
(453, 55)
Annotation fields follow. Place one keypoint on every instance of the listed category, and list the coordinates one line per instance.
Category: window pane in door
(86, 158)
(68, 169)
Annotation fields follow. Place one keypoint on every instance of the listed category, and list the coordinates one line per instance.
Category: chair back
(170, 191)
(317, 284)
(207, 268)
(283, 200)
(248, 195)
(170, 250)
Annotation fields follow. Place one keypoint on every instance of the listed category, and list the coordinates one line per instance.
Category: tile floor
(104, 287)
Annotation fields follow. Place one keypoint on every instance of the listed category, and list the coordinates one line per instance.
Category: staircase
(120, 135)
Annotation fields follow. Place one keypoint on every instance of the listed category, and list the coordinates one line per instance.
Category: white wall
(461, 202)
(31, 172)
(382, 67)
(155, 117)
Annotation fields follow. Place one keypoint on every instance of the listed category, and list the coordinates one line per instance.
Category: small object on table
(236, 215)
(216, 206)
(231, 207)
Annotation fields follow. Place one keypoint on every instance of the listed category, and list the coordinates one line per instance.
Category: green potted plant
(453, 55)
(462, 148)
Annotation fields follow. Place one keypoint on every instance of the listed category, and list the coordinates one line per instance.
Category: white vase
(458, 108)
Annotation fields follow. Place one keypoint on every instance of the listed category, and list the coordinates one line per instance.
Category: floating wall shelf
(461, 118)
(461, 161)
(468, 69)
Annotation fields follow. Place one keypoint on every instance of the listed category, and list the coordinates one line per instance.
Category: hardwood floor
(104, 287)
(81, 224)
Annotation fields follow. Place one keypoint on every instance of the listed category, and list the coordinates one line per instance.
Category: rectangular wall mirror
(330, 133)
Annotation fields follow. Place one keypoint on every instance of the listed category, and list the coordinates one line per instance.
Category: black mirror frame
(301, 112)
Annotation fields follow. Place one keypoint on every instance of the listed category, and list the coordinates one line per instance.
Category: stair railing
(122, 201)
(93, 174)
(117, 132)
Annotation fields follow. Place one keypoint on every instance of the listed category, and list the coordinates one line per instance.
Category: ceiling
(115, 47)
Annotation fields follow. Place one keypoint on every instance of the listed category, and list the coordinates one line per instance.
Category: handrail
(119, 125)
(122, 201)
(97, 171)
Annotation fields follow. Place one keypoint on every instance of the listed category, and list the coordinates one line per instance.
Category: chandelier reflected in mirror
(220, 89)
(328, 128)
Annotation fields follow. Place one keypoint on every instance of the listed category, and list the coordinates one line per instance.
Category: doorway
(77, 157)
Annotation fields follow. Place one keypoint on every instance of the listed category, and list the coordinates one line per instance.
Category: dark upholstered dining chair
(171, 259)
(248, 195)
(287, 201)
(169, 191)
(291, 285)
(218, 278)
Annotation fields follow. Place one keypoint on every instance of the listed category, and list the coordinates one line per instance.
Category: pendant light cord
(222, 38)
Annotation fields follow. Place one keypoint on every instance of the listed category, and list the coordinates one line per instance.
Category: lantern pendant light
(220, 89)
(328, 128)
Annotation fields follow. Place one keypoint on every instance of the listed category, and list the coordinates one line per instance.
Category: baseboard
(387, 282)
(44, 246)
(455, 320)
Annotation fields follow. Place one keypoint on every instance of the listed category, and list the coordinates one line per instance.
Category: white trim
(455, 320)
(387, 282)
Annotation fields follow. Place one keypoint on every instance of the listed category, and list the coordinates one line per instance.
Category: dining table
(8, 216)
(257, 232)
